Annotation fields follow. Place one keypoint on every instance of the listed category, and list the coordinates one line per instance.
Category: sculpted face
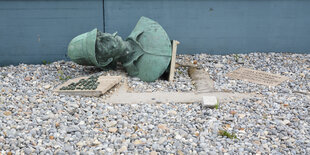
(109, 48)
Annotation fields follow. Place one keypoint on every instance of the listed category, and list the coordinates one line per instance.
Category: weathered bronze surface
(83, 84)
(146, 53)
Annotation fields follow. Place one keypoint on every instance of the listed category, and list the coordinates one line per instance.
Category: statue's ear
(114, 34)
(139, 36)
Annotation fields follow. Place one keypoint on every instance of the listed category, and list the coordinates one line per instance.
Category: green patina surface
(90, 83)
(146, 53)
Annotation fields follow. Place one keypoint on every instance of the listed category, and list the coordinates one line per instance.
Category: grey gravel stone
(73, 129)
(34, 120)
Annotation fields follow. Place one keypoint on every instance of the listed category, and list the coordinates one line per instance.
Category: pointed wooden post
(173, 58)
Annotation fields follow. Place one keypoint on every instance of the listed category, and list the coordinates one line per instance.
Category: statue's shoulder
(151, 36)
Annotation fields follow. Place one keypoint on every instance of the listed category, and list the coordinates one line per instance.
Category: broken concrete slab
(258, 77)
(105, 84)
(173, 97)
(209, 101)
(122, 96)
(201, 79)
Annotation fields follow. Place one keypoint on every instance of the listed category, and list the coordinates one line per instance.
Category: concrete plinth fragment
(209, 101)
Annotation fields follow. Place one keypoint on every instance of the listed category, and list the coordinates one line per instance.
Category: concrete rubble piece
(258, 77)
(201, 80)
(209, 101)
(105, 84)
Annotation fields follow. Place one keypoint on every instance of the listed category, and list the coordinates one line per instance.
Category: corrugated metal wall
(32, 31)
(220, 26)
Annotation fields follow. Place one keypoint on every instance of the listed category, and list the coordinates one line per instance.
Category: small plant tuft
(44, 62)
(62, 77)
(217, 105)
(236, 56)
(224, 133)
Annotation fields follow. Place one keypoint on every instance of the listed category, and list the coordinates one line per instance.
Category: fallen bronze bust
(146, 53)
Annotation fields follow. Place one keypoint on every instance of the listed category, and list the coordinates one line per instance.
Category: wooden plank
(105, 84)
(173, 58)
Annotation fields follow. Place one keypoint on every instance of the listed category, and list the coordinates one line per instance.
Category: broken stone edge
(105, 84)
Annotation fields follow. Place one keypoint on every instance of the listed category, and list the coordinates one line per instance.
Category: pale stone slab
(122, 96)
(173, 58)
(201, 79)
(174, 97)
(209, 101)
(105, 84)
(154, 97)
(258, 77)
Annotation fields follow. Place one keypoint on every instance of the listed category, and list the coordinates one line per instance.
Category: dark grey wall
(33, 31)
(220, 26)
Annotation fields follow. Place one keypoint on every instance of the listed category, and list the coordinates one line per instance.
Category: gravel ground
(34, 120)
(294, 66)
